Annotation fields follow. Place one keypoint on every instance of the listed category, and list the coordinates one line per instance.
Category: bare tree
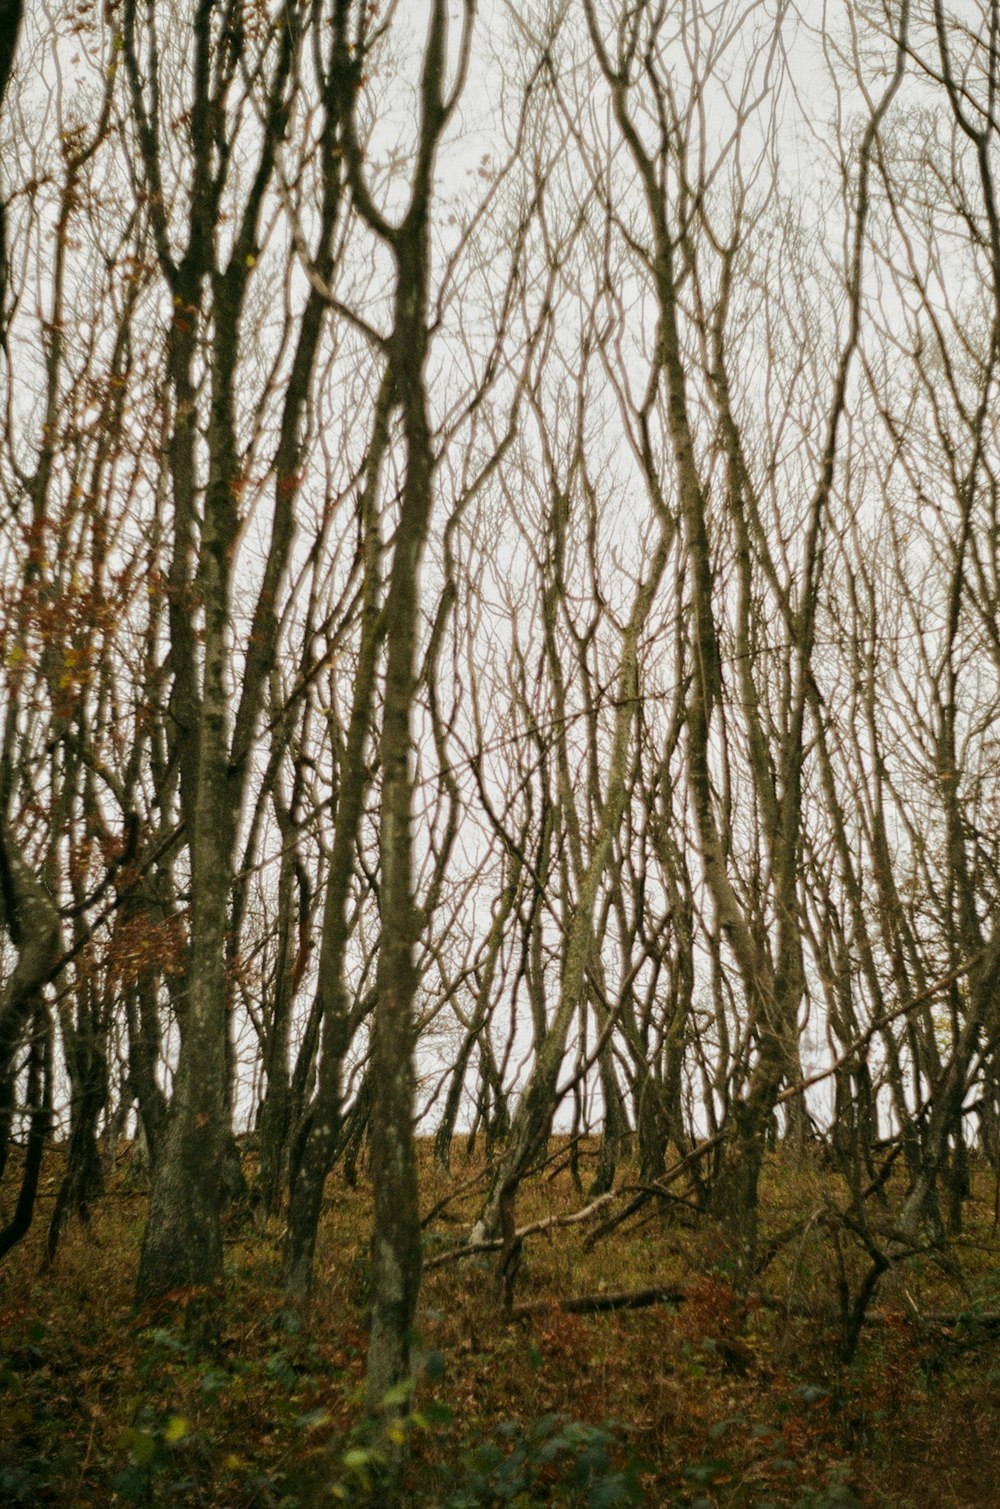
(223, 71)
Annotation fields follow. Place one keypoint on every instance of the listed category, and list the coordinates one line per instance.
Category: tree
(231, 67)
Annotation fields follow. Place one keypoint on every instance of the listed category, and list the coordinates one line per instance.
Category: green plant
(837, 1494)
(151, 1448)
(551, 1460)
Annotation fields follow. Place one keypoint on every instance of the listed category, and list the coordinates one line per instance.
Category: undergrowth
(715, 1401)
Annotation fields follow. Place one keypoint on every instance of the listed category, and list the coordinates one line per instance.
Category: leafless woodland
(499, 552)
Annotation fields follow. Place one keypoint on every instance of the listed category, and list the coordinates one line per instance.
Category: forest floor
(707, 1400)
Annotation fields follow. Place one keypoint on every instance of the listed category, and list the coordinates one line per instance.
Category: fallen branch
(455, 1254)
(474, 1249)
(677, 1294)
(594, 1304)
(987, 1320)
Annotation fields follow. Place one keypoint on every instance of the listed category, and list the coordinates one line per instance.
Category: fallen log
(594, 1304)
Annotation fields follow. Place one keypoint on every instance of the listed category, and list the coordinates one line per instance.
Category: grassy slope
(714, 1402)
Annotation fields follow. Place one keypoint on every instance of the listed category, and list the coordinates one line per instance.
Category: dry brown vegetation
(716, 1400)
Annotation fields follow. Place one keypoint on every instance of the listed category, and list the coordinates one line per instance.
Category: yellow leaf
(175, 1428)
